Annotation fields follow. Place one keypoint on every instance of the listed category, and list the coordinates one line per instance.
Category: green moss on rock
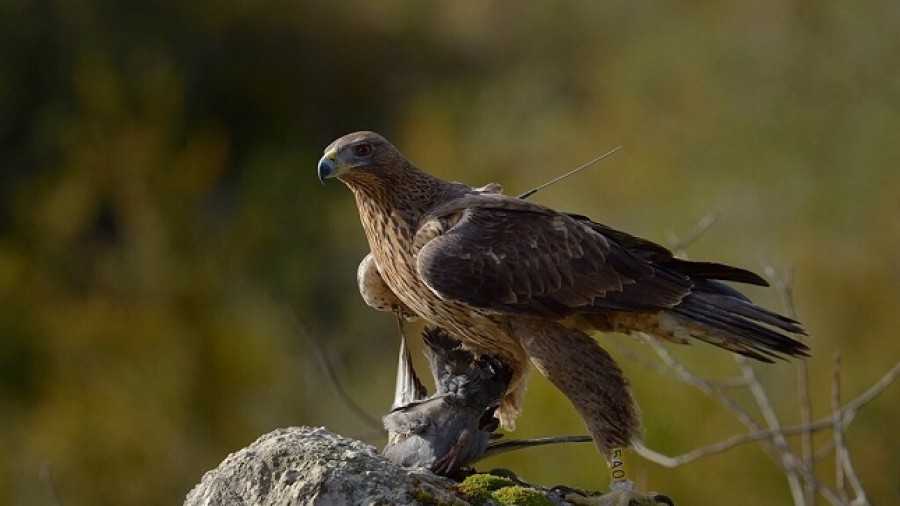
(481, 488)
(521, 496)
(477, 488)
(487, 482)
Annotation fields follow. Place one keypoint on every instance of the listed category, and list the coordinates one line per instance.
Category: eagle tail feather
(713, 270)
(739, 325)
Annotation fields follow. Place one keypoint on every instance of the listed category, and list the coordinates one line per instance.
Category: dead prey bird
(453, 427)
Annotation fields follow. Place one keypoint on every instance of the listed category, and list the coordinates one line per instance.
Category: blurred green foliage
(160, 218)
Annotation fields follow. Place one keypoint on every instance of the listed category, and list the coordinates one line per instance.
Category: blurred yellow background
(160, 216)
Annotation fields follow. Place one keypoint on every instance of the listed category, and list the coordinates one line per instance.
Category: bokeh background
(161, 224)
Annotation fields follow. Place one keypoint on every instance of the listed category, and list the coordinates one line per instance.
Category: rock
(312, 466)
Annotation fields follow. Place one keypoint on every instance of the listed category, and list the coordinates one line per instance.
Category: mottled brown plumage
(521, 281)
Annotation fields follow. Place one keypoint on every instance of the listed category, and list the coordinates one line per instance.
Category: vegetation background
(159, 213)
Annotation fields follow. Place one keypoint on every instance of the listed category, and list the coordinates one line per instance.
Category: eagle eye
(363, 150)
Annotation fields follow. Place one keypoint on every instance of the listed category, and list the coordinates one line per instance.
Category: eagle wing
(376, 293)
(510, 256)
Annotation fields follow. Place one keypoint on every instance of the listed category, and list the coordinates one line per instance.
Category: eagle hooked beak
(328, 166)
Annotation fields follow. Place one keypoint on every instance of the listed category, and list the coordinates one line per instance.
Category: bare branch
(686, 376)
(646, 363)
(737, 440)
(842, 452)
(844, 418)
(806, 443)
(680, 245)
(838, 433)
(789, 461)
(824, 450)
(45, 472)
(332, 375)
(705, 451)
(722, 446)
(662, 370)
(799, 470)
(873, 391)
(784, 285)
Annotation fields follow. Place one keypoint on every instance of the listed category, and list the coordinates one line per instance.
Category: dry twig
(799, 469)
(319, 349)
(784, 284)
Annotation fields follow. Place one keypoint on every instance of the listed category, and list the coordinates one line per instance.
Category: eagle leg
(592, 381)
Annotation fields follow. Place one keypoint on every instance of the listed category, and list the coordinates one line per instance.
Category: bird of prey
(518, 280)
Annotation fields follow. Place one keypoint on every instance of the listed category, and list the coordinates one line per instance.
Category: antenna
(570, 173)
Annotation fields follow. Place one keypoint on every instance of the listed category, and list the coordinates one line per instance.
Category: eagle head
(357, 155)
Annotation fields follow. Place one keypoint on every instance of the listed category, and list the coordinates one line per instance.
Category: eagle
(523, 282)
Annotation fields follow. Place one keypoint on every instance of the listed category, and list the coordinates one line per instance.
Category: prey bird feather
(520, 281)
